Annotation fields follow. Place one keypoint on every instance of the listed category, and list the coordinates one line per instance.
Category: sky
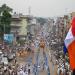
(41, 8)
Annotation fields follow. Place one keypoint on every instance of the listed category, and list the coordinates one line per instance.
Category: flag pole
(74, 72)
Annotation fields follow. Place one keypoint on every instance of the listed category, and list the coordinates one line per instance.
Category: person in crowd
(1, 71)
(58, 70)
(24, 68)
(6, 71)
(43, 65)
(10, 69)
(28, 69)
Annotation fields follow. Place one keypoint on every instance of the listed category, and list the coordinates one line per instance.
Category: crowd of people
(62, 66)
(64, 69)
(15, 70)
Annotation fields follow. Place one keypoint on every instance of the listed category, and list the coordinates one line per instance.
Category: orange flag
(70, 44)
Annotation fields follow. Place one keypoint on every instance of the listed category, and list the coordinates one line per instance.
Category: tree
(41, 20)
(5, 19)
(3, 8)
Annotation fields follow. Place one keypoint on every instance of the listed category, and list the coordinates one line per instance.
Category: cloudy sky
(44, 8)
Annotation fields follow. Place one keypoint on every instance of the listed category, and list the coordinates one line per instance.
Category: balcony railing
(15, 25)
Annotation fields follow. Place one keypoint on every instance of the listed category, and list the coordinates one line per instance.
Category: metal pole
(4, 28)
(73, 72)
(3, 36)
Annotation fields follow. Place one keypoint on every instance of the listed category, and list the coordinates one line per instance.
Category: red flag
(73, 26)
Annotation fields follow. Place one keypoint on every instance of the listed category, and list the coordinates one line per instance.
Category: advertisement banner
(8, 38)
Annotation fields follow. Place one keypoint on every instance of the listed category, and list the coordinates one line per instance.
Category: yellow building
(23, 28)
(19, 26)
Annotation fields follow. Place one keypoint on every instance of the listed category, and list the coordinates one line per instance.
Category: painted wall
(23, 29)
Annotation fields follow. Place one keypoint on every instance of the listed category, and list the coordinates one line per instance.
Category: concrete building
(72, 14)
(50, 24)
(62, 27)
(19, 26)
(32, 23)
(67, 23)
(60, 33)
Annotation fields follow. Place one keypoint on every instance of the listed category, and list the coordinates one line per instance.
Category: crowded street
(35, 62)
(37, 37)
(35, 58)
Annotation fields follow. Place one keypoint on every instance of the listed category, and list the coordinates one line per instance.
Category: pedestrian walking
(43, 65)
(35, 69)
(15, 60)
(21, 72)
(1, 71)
(48, 71)
(24, 68)
(6, 72)
(28, 69)
(10, 69)
(14, 72)
(58, 71)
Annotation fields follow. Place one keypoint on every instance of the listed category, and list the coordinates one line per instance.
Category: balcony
(15, 31)
(15, 25)
(16, 17)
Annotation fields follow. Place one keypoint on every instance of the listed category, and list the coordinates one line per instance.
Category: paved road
(37, 60)
(53, 68)
(41, 60)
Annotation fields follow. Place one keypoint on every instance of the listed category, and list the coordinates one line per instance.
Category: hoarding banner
(8, 38)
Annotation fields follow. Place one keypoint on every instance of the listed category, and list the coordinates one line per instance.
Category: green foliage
(41, 20)
(4, 7)
(5, 19)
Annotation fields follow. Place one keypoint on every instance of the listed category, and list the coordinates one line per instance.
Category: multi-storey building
(19, 25)
(72, 14)
(67, 23)
(32, 24)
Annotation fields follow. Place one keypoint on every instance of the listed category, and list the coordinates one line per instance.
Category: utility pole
(4, 28)
(29, 10)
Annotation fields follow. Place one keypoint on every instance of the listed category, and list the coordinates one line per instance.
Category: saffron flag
(70, 44)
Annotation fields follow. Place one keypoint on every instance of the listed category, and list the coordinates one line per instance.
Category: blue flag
(64, 49)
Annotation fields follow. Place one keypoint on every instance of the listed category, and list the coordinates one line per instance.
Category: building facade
(19, 26)
(32, 24)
